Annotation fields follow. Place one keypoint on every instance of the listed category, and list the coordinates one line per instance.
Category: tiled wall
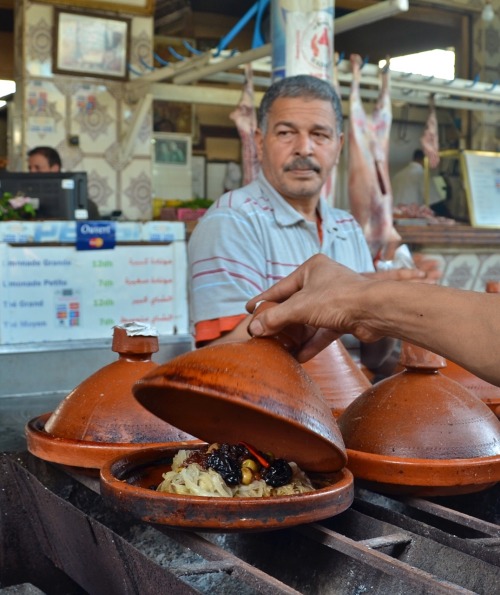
(51, 107)
(467, 268)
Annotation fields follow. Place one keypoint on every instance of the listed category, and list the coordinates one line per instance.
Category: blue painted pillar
(302, 38)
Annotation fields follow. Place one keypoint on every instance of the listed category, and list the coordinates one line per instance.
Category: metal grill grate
(55, 527)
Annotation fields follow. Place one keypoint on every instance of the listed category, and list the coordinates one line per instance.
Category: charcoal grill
(58, 534)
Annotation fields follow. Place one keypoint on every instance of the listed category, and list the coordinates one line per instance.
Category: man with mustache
(253, 236)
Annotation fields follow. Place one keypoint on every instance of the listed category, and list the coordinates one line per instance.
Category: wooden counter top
(449, 235)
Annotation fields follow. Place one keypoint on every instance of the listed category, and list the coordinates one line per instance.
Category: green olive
(246, 476)
(250, 464)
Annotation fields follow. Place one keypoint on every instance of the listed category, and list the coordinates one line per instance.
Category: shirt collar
(284, 213)
(333, 219)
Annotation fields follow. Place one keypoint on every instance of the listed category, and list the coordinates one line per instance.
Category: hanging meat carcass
(430, 138)
(370, 193)
(245, 118)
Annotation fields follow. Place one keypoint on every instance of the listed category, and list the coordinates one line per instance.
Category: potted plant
(16, 207)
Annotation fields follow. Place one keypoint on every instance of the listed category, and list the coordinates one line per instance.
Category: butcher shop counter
(467, 256)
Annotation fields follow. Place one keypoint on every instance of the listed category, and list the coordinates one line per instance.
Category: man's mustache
(302, 163)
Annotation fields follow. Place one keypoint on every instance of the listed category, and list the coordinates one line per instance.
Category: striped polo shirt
(251, 238)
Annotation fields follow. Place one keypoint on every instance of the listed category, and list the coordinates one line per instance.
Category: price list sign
(481, 173)
(57, 293)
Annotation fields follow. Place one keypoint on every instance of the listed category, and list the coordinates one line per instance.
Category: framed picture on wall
(171, 116)
(91, 44)
(172, 149)
(171, 167)
(127, 6)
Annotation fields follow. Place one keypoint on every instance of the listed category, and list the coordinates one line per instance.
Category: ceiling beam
(370, 14)
(197, 94)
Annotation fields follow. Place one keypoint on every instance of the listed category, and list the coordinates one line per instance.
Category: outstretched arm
(463, 326)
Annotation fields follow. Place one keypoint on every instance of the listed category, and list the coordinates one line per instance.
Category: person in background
(253, 236)
(460, 325)
(408, 183)
(47, 160)
(44, 160)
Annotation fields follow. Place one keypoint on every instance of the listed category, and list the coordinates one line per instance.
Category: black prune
(233, 451)
(229, 469)
(278, 474)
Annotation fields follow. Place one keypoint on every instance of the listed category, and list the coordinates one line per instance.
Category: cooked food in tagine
(233, 470)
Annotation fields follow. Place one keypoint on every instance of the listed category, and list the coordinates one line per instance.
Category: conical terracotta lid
(337, 375)
(488, 393)
(421, 413)
(419, 432)
(492, 286)
(101, 416)
(252, 391)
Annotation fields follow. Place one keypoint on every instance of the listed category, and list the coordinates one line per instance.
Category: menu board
(59, 293)
(481, 174)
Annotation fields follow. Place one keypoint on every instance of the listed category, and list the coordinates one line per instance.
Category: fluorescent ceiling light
(7, 87)
(2, 103)
(370, 14)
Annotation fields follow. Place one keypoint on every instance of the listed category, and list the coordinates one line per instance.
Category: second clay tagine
(100, 419)
(419, 432)
(338, 376)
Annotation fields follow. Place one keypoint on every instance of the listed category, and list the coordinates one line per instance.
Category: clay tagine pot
(339, 378)
(127, 483)
(253, 391)
(419, 432)
(100, 418)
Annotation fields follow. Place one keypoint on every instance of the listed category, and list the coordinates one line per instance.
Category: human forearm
(444, 320)
(335, 300)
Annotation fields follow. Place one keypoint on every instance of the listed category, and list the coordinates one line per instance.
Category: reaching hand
(320, 294)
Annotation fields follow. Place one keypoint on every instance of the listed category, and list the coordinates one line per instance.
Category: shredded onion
(193, 480)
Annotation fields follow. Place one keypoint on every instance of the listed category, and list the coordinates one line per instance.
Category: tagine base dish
(129, 483)
(423, 477)
(84, 454)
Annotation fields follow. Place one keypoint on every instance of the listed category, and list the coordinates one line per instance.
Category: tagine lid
(253, 391)
(135, 338)
(100, 418)
(419, 432)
